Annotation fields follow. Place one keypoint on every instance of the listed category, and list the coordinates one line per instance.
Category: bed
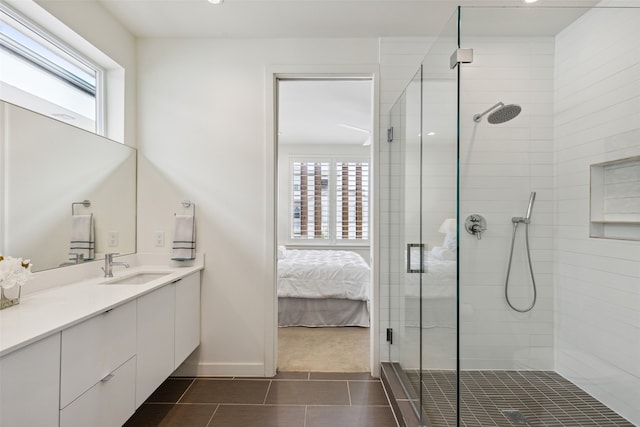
(322, 288)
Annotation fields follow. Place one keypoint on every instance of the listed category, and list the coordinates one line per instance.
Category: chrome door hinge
(390, 134)
(390, 335)
(461, 56)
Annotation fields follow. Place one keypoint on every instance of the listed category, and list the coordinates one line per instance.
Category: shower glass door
(423, 233)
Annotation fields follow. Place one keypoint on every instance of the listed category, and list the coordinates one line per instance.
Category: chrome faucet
(108, 264)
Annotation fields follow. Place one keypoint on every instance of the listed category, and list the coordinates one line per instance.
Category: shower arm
(478, 117)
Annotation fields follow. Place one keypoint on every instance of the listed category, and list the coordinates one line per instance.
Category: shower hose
(533, 280)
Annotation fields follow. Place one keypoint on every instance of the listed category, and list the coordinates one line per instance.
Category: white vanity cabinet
(93, 363)
(92, 371)
(168, 327)
(155, 326)
(187, 317)
(29, 385)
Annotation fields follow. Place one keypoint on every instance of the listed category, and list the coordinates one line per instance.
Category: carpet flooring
(323, 349)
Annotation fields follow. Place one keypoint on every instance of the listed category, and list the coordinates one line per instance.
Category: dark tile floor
(291, 399)
(510, 398)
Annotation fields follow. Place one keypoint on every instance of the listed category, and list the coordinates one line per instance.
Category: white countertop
(50, 311)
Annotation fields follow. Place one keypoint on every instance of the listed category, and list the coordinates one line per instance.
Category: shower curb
(400, 402)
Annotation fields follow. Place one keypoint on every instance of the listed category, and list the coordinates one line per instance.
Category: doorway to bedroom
(324, 281)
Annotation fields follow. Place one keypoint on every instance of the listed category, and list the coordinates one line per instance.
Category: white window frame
(332, 240)
(31, 100)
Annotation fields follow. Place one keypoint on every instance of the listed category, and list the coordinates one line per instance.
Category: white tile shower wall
(597, 300)
(399, 61)
(500, 165)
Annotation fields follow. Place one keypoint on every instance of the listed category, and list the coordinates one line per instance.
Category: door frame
(273, 74)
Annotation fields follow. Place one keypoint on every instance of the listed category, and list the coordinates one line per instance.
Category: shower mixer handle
(475, 224)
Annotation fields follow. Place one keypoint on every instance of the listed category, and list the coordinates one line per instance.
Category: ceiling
(298, 18)
(327, 112)
(281, 18)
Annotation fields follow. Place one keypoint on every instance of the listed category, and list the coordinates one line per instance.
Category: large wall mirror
(48, 169)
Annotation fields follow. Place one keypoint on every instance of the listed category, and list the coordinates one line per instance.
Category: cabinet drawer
(108, 403)
(94, 348)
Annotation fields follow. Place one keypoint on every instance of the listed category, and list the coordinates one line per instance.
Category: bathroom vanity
(89, 353)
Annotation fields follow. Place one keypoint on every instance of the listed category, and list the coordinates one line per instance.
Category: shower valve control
(475, 224)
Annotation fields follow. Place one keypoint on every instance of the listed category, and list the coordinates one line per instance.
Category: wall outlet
(158, 238)
(113, 238)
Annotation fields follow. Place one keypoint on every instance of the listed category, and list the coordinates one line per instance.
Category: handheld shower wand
(532, 199)
(526, 220)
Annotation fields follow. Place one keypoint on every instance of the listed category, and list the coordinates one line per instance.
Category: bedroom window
(330, 201)
(43, 75)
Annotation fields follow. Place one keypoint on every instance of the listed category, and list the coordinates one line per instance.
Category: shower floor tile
(510, 398)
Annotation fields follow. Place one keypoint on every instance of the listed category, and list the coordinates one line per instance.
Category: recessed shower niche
(615, 199)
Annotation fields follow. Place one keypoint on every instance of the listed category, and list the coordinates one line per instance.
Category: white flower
(14, 271)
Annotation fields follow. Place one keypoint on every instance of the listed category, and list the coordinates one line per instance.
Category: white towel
(82, 237)
(184, 238)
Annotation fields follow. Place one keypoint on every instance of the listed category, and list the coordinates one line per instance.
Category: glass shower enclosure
(514, 221)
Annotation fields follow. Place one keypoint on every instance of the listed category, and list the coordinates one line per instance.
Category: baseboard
(220, 370)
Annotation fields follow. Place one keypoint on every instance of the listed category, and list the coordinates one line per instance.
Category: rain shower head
(504, 113)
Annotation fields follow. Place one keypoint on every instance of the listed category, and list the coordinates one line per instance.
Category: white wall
(597, 280)
(203, 124)
(500, 165)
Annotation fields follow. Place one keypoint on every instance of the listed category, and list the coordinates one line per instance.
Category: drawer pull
(107, 378)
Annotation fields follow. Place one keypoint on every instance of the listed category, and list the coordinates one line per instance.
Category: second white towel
(184, 238)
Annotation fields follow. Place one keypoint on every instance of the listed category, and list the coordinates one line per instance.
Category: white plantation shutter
(310, 200)
(330, 200)
(352, 200)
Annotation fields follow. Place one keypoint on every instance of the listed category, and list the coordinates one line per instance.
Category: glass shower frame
(532, 340)
(424, 146)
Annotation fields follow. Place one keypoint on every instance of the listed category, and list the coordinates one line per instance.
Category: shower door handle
(419, 248)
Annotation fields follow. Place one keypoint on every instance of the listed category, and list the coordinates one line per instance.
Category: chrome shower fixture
(504, 113)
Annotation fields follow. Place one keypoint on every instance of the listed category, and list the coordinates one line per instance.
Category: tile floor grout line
(185, 391)
(306, 407)
(264, 401)
(212, 415)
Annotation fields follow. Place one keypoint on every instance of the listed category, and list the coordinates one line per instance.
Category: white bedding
(323, 274)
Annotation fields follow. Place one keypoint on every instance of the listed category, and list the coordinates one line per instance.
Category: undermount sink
(137, 278)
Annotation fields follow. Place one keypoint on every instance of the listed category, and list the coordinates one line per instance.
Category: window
(41, 74)
(330, 201)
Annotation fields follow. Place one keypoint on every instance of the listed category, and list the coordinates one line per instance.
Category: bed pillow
(282, 252)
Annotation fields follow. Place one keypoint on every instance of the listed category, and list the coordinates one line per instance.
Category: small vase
(9, 297)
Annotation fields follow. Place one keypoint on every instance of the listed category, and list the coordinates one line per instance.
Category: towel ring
(85, 203)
